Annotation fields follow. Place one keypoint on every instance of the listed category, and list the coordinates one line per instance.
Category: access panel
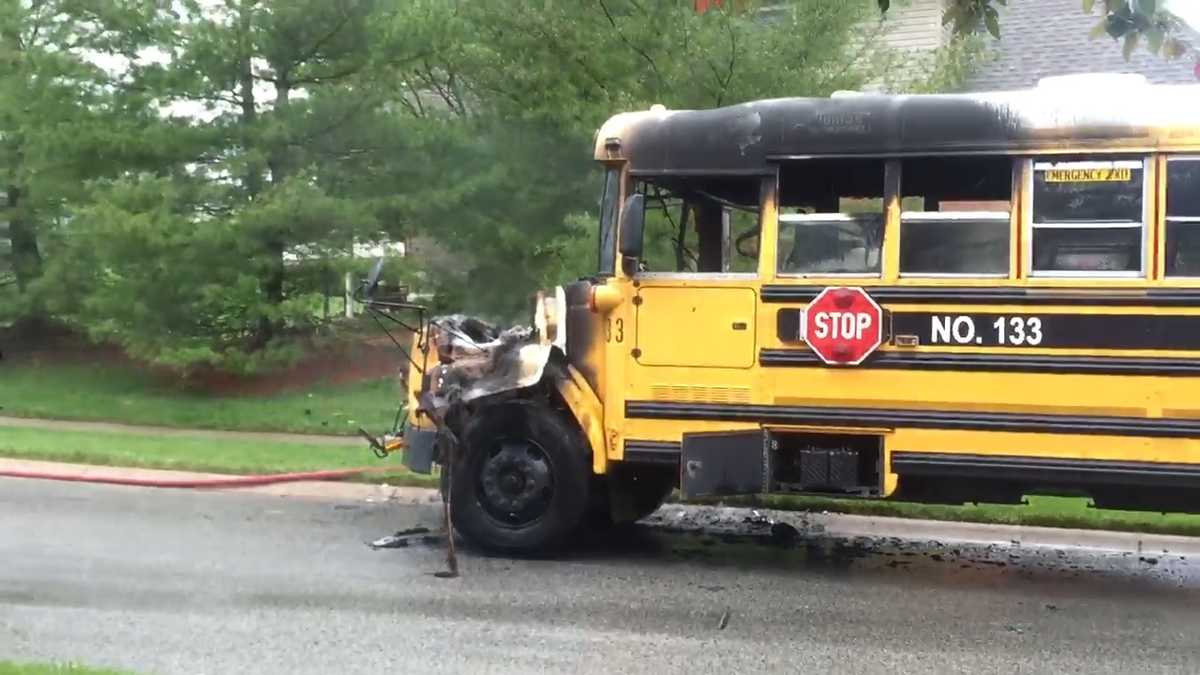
(696, 327)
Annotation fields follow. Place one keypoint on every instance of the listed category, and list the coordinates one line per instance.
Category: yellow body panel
(414, 373)
(671, 339)
(588, 411)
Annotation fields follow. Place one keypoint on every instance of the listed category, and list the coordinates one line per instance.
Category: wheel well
(545, 393)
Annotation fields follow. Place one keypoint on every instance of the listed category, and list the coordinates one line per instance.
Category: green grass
(196, 454)
(11, 668)
(112, 394)
(1040, 511)
(107, 393)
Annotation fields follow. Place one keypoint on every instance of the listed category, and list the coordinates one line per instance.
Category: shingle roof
(1042, 38)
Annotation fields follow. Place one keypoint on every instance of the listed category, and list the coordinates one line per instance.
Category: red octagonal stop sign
(843, 326)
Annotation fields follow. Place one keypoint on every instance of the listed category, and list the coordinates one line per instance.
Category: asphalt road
(191, 583)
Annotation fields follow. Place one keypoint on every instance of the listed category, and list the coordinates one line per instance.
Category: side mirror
(633, 226)
(372, 281)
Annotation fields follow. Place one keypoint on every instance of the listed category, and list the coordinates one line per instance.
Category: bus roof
(1063, 115)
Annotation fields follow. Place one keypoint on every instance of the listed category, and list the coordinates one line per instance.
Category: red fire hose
(210, 483)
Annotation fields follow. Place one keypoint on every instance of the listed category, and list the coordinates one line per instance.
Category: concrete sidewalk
(680, 516)
(75, 425)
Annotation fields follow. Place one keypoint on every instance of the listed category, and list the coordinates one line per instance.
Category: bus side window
(1088, 216)
(831, 217)
(700, 225)
(956, 217)
(1183, 217)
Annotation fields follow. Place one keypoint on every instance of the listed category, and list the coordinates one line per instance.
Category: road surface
(191, 583)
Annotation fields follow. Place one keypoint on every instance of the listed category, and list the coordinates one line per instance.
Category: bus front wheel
(520, 482)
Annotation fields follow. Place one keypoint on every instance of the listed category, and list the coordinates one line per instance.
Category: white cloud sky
(1188, 10)
(264, 93)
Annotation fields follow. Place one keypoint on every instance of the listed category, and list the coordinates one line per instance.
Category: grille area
(686, 393)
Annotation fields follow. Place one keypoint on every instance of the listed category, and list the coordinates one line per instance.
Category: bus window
(1183, 217)
(1088, 217)
(744, 229)
(704, 225)
(831, 218)
(608, 221)
(956, 217)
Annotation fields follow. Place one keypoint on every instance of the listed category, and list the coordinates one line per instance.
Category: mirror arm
(629, 266)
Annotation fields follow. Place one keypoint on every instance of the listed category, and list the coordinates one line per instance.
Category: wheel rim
(516, 482)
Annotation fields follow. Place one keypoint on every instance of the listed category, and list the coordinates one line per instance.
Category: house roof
(1043, 38)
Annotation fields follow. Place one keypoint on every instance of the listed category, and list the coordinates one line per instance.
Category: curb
(849, 526)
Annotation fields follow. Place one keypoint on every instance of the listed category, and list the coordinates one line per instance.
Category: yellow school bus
(1028, 268)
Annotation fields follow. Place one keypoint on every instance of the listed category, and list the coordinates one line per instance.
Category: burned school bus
(936, 298)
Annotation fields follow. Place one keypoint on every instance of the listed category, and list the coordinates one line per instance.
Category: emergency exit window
(1088, 217)
(1183, 217)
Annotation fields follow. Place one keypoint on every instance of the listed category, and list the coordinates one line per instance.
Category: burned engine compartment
(476, 359)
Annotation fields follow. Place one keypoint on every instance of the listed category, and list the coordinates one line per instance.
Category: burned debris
(476, 359)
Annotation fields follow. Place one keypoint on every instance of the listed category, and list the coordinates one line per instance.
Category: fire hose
(200, 483)
(382, 447)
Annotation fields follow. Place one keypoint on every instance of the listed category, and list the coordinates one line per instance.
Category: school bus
(1032, 259)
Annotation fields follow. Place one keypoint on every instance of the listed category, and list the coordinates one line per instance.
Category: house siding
(915, 25)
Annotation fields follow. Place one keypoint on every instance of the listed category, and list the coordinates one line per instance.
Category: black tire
(520, 480)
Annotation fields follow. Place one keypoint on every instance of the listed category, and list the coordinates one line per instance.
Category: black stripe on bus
(1153, 297)
(1008, 331)
(1045, 470)
(1021, 363)
(824, 416)
(652, 452)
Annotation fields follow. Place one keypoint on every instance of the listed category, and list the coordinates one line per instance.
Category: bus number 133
(1004, 330)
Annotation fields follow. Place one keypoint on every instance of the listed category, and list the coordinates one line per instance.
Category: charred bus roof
(1119, 114)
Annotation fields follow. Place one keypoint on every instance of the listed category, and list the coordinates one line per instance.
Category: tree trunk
(26, 257)
(271, 282)
(269, 287)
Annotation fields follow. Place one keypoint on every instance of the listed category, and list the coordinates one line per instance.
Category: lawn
(10, 668)
(114, 394)
(195, 454)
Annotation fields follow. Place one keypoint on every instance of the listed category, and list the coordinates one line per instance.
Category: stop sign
(843, 326)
